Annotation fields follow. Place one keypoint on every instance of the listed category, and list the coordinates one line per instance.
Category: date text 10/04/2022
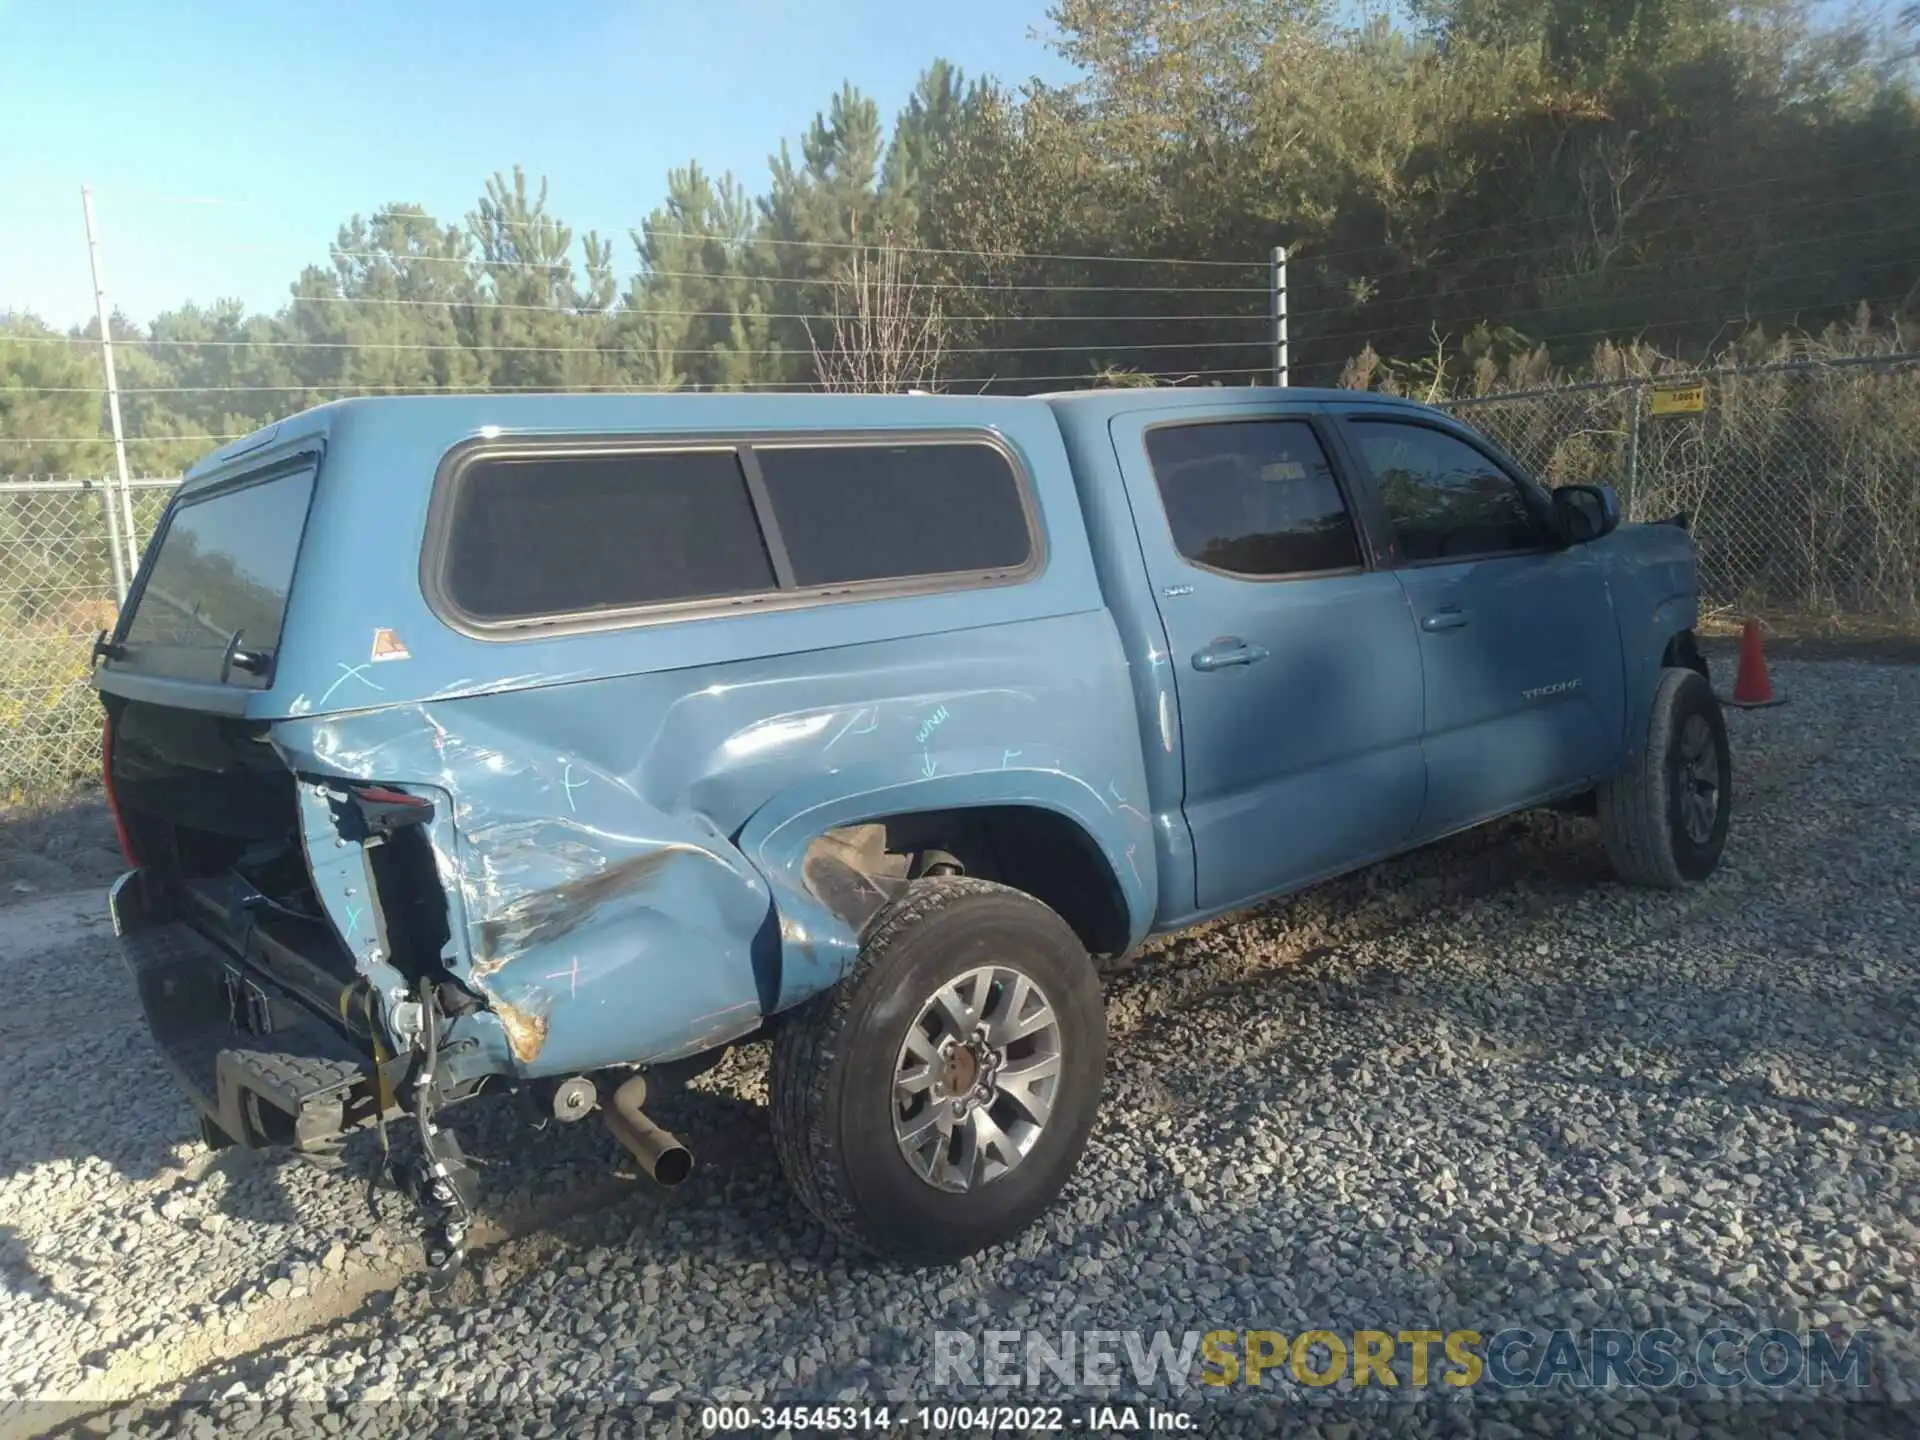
(946, 1419)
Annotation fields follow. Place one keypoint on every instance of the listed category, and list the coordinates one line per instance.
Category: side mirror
(1586, 512)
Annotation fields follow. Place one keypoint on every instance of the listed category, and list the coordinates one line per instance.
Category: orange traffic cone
(1752, 687)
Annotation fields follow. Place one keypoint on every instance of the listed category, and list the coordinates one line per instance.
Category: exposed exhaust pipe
(663, 1157)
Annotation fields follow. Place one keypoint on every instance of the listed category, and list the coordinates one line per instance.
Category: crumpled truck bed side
(623, 856)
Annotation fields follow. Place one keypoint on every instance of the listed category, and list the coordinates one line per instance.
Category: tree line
(1473, 193)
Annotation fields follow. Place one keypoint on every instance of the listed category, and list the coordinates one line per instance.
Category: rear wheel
(1665, 819)
(936, 1101)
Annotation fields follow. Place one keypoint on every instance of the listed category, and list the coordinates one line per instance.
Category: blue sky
(225, 141)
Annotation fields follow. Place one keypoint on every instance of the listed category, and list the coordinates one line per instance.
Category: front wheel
(1665, 819)
(937, 1100)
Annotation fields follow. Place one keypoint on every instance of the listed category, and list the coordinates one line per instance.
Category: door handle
(1226, 651)
(1449, 619)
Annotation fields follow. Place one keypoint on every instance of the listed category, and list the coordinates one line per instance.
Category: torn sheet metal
(590, 923)
(625, 859)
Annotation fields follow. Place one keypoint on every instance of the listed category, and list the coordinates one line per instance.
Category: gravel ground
(50, 847)
(1477, 1086)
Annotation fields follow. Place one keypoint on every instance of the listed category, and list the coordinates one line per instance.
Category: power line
(401, 259)
(674, 354)
(485, 304)
(1506, 313)
(1683, 228)
(1674, 262)
(155, 197)
(1607, 330)
(797, 387)
(1649, 295)
(484, 348)
(481, 303)
(1091, 319)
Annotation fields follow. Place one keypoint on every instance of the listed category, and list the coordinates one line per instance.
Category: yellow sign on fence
(1680, 399)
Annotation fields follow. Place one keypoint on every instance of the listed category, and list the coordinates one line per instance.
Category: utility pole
(1278, 284)
(122, 569)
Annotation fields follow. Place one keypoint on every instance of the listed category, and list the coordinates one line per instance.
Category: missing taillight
(381, 795)
(375, 811)
(113, 800)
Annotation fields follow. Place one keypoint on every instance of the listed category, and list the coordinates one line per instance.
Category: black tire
(1644, 811)
(835, 1058)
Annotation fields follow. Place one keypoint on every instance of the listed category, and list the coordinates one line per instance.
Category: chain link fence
(1802, 480)
(58, 589)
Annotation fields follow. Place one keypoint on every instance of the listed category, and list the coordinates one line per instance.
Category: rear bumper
(247, 1050)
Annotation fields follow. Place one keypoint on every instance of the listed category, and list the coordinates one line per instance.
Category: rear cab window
(212, 599)
(552, 538)
(1252, 498)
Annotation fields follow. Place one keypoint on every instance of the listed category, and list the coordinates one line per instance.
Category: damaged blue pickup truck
(537, 743)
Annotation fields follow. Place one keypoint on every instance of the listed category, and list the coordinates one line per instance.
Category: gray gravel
(1476, 1086)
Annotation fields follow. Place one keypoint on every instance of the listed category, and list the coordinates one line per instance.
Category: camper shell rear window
(210, 603)
(578, 535)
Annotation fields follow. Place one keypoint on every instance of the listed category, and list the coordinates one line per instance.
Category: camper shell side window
(547, 536)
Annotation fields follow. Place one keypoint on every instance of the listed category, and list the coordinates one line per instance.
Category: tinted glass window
(884, 512)
(225, 563)
(1253, 497)
(558, 535)
(1444, 497)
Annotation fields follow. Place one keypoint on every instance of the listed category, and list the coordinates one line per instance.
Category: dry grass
(1801, 477)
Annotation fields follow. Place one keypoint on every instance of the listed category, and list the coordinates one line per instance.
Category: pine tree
(697, 308)
(51, 390)
(532, 334)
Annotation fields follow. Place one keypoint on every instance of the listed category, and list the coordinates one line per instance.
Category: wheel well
(1683, 652)
(1040, 852)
